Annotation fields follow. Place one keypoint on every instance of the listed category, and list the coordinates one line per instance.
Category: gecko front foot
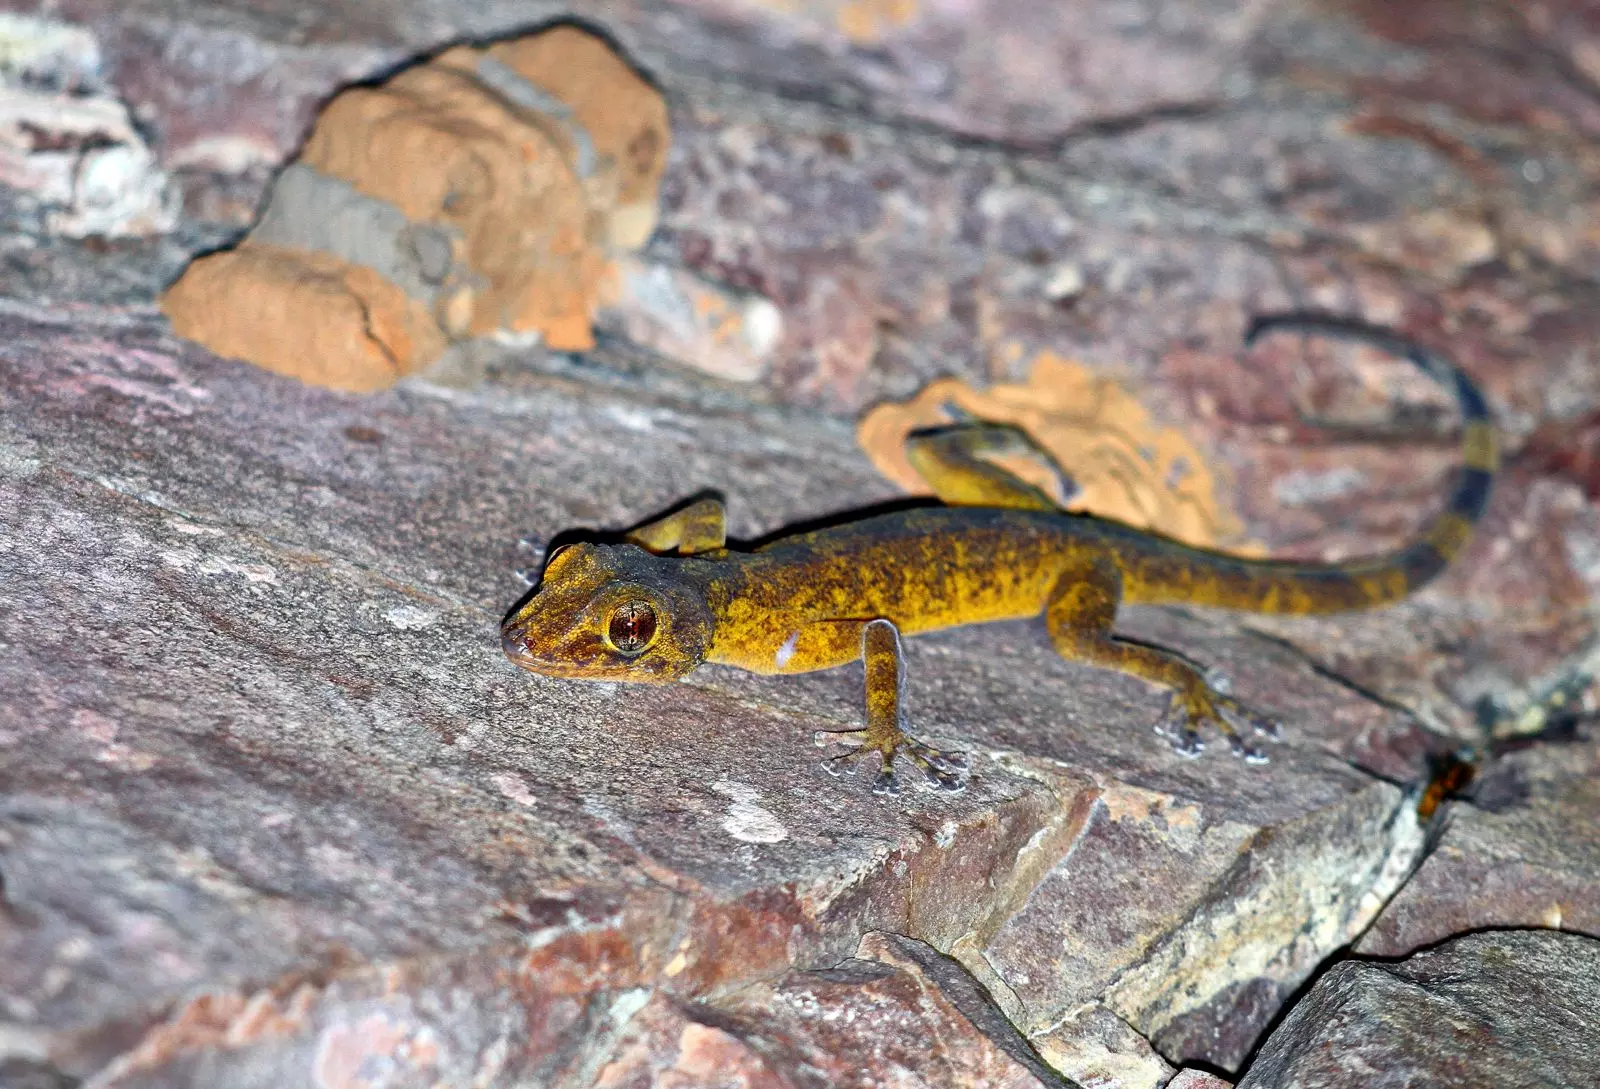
(945, 770)
(1187, 714)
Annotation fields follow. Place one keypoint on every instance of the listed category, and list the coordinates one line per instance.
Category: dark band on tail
(1447, 532)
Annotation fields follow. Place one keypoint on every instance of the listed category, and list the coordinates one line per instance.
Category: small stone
(690, 320)
(82, 159)
(1065, 282)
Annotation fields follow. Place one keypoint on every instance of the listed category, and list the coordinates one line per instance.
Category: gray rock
(272, 789)
(1517, 856)
(1496, 1010)
(275, 810)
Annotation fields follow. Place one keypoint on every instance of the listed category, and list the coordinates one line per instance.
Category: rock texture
(255, 661)
(1519, 856)
(1499, 1008)
(69, 145)
(274, 809)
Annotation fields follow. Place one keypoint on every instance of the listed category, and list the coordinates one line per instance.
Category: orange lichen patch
(482, 190)
(1125, 465)
(624, 118)
(337, 324)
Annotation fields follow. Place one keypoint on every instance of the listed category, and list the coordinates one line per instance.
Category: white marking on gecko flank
(786, 651)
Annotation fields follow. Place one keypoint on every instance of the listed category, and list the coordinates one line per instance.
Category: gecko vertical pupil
(633, 625)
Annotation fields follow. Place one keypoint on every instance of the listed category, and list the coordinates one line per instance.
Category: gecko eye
(632, 627)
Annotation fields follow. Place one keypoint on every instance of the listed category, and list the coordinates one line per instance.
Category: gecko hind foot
(944, 770)
(1187, 715)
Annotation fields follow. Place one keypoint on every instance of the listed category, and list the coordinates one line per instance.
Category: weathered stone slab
(1500, 1008)
(1333, 165)
(1522, 853)
(257, 701)
(274, 807)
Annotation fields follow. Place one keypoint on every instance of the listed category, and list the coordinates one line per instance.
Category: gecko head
(611, 613)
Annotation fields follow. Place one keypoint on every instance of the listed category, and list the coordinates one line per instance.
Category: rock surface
(1498, 1008)
(260, 706)
(1520, 856)
(275, 810)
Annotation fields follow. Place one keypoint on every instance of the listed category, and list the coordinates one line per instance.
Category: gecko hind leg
(952, 461)
(1080, 614)
(1185, 715)
(699, 526)
(884, 732)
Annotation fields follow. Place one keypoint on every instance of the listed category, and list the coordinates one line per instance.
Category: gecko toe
(952, 763)
(1245, 751)
(1269, 728)
(1238, 714)
(845, 764)
(1179, 726)
(1207, 709)
(945, 770)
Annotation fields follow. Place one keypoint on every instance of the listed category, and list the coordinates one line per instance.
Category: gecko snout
(512, 639)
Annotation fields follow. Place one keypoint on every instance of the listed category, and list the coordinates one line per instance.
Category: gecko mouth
(513, 641)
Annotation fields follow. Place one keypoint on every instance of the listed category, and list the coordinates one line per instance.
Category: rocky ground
(275, 810)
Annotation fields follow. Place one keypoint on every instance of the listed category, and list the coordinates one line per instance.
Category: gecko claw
(1245, 751)
(947, 771)
(843, 765)
(1187, 715)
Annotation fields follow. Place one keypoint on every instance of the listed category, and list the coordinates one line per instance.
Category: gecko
(672, 594)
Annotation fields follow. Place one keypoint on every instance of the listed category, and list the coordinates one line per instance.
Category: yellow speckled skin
(831, 596)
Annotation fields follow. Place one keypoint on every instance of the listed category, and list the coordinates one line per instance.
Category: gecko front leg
(885, 733)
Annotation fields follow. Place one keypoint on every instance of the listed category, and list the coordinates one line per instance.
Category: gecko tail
(1386, 578)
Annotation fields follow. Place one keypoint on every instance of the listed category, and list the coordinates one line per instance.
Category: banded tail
(1291, 587)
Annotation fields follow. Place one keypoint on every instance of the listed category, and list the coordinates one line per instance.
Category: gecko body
(673, 595)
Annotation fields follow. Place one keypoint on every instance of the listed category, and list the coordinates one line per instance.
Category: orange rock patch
(483, 190)
(1125, 465)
